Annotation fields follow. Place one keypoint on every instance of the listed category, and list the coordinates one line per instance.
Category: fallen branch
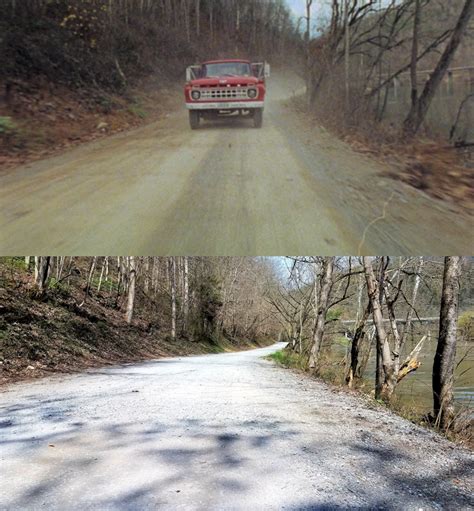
(411, 363)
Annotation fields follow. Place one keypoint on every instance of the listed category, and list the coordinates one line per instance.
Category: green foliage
(289, 359)
(334, 314)
(342, 341)
(209, 302)
(138, 111)
(466, 326)
(15, 262)
(57, 285)
(106, 285)
(7, 126)
(106, 104)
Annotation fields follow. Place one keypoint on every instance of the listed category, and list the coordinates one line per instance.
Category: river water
(415, 389)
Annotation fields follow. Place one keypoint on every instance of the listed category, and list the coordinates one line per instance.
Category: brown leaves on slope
(442, 171)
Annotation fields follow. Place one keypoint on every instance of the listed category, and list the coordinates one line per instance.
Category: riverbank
(462, 433)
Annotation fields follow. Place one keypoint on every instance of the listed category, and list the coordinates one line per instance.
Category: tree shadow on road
(54, 457)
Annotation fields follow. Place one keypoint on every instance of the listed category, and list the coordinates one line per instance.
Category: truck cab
(232, 88)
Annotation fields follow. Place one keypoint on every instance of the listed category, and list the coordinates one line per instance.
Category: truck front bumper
(225, 105)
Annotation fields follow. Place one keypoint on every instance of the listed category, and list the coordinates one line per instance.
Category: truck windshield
(227, 69)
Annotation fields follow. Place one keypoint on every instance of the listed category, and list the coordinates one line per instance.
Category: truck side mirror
(258, 69)
(267, 70)
(193, 73)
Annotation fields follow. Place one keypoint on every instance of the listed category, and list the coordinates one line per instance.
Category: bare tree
(42, 269)
(420, 107)
(445, 358)
(386, 378)
(414, 53)
(173, 296)
(131, 290)
(389, 369)
(322, 308)
(186, 293)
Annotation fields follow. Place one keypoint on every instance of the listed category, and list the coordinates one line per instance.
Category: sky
(297, 6)
(319, 10)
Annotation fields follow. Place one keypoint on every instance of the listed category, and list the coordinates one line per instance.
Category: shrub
(7, 126)
(289, 359)
(466, 326)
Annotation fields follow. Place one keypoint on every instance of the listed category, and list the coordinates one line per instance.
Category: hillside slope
(64, 330)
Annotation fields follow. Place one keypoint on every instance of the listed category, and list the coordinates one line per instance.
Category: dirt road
(216, 432)
(224, 189)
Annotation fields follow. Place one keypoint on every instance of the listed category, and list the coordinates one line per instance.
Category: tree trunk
(90, 276)
(355, 346)
(146, 277)
(420, 107)
(186, 293)
(42, 266)
(131, 291)
(383, 389)
(414, 54)
(307, 50)
(323, 302)
(102, 270)
(198, 17)
(409, 316)
(173, 297)
(445, 358)
(347, 49)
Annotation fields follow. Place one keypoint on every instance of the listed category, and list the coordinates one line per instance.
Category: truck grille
(224, 93)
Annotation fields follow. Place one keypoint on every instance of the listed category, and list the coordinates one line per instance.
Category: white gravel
(230, 431)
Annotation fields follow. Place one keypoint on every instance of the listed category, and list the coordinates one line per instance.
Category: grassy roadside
(462, 434)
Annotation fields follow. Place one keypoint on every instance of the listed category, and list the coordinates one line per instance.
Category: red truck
(231, 87)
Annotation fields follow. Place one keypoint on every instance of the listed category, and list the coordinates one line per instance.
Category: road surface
(216, 432)
(225, 189)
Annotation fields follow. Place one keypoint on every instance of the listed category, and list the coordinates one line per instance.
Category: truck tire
(194, 119)
(258, 118)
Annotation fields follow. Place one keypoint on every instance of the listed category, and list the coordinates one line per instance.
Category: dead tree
(389, 371)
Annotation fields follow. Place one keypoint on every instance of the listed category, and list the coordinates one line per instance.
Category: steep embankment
(65, 330)
(44, 119)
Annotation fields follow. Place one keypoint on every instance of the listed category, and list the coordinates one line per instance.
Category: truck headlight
(252, 93)
(195, 94)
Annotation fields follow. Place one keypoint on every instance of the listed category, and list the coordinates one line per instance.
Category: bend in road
(229, 431)
(223, 189)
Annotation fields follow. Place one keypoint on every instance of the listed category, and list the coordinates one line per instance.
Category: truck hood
(224, 80)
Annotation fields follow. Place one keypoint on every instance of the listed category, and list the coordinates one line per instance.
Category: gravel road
(224, 189)
(230, 431)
